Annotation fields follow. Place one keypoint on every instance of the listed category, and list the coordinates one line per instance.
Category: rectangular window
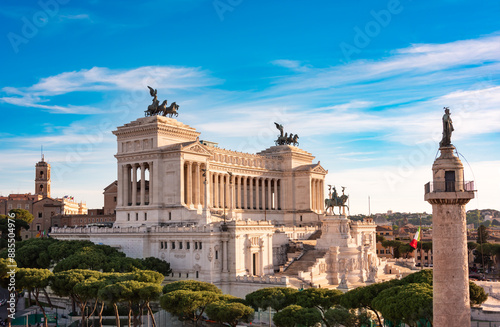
(173, 245)
(10, 206)
(145, 216)
(114, 199)
(161, 245)
(216, 255)
(19, 206)
(136, 216)
(180, 245)
(165, 244)
(197, 275)
(200, 246)
(27, 207)
(196, 245)
(38, 227)
(376, 251)
(169, 216)
(187, 275)
(188, 246)
(128, 216)
(39, 215)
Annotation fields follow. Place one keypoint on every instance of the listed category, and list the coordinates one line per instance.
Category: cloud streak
(99, 79)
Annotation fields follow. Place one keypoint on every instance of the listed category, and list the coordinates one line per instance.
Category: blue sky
(363, 83)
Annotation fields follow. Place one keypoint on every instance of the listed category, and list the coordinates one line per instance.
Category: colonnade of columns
(247, 192)
(317, 194)
(134, 191)
(194, 188)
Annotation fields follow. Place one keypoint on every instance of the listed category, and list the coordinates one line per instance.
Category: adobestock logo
(31, 27)
(372, 29)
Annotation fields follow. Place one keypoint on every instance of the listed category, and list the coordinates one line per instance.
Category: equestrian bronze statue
(335, 200)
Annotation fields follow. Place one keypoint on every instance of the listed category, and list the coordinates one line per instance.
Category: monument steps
(316, 235)
(305, 262)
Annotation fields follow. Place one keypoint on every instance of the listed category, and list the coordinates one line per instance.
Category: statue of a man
(447, 128)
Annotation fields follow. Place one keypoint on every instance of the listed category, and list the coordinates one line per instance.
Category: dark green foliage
(340, 316)
(62, 249)
(191, 285)
(422, 276)
(482, 235)
(295, 315)
(161, 266)
(407, 303)
(275, 297)
(477, 294)
(320, 298)
(229, 312)
(404, 249)
(22, 214)
(19, 225)
(187, 304)
(33, 253)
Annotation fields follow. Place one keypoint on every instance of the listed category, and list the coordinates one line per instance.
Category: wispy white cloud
(75, 17)
(293, 65)
(99, 79)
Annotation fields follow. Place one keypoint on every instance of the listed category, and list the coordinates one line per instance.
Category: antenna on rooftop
(41, 151)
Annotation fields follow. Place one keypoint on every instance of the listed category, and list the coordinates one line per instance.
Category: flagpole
(421, 257)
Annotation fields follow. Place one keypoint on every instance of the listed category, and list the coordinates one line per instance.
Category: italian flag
(415, 240)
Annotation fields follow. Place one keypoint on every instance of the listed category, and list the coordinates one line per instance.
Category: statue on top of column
(447, 128)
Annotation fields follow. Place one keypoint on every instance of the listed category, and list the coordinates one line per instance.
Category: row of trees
(48, 253)
(92, 290)
(408, 300)
(91, 275)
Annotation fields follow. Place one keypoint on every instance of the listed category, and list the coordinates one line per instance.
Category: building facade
(166, 175)
(223, 216)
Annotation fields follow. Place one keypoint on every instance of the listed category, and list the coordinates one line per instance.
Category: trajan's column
(449, 193)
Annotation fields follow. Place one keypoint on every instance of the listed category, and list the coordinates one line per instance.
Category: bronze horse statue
(336, 201)
(171, 110)
(156, 108)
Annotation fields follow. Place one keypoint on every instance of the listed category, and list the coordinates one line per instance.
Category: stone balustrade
(298, 233)
(263, 279)
(139, 229)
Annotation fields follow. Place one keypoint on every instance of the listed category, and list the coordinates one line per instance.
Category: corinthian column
(143, 183)
(134, 185)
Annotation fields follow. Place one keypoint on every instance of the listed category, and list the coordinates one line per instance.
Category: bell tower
(42, 178)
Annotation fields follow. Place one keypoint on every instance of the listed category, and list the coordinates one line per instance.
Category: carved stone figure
(447, 128)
